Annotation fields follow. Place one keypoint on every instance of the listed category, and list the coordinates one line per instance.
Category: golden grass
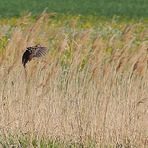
(92, 85)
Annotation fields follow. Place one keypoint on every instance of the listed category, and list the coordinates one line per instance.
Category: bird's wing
(39, 51)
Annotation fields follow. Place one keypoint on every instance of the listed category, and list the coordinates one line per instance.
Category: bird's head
(29, 49)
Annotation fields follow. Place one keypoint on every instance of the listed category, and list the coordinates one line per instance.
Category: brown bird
(31, 52)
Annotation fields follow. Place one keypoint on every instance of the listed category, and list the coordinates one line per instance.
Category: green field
(106, 8)
(90, 90)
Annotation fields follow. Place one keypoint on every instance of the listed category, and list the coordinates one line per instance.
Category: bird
(32, 52)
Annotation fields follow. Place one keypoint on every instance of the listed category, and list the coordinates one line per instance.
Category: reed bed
(91, 88)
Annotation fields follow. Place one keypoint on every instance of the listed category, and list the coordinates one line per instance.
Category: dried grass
(81, 90)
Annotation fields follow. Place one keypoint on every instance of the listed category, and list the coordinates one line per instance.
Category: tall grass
(90, 88)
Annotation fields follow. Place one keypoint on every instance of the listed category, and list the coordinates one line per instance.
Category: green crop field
(106, 8)
(90, 89)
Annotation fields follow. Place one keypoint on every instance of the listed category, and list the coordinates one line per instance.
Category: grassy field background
(103, 8)
(90, 90)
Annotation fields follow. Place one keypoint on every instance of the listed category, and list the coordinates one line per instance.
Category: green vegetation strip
(106, 8)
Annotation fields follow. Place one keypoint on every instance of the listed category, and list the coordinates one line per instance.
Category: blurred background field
(102, 8)
(90, 90)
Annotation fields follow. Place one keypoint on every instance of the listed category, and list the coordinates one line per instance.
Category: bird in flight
(31, 52)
